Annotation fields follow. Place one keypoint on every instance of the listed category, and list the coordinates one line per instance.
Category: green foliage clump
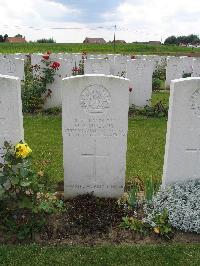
(24, 203)
(186, 75)
(181, 200)
(158, 78)
(134, 224)
(157, 110)
(34, 91)
(189, 39)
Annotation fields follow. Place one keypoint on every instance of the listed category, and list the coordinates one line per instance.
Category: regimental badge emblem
(95, 99)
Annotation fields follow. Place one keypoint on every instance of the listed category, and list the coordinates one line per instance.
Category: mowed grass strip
(157, 255)
(44, 136)
(146, 142)
(145, 152)
(129, 48)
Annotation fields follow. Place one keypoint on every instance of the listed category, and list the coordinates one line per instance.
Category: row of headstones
(139, 71)
(94, 131)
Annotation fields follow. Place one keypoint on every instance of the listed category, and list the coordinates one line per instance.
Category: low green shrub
(157, 110)
(181, 201)
(34, 90)
(24, 202)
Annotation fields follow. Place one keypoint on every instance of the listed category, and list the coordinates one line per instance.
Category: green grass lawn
(146, 141)
(129, 48)
(157, 255)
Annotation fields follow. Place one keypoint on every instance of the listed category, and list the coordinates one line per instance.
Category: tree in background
(4, 37)
(189, 39)
(50, 40)
(1, 38)
(18, 36)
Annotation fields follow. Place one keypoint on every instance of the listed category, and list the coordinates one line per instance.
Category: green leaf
(15, 180)
(25, 203)
(3, 180)
(24, 172)
(2, 191)
(25, 183)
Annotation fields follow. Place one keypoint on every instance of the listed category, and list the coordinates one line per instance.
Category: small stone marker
(11, 120)
(182, 149)
(94, 127)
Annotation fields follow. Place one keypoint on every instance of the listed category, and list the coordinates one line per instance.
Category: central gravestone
(182, 150)
(11, 120)
(95, 134)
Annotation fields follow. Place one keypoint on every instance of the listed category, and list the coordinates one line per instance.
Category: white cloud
(156, 18)
(137, 20)
(19, 16)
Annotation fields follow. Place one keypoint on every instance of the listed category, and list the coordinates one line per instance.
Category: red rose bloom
(45, 56)
(55, 65)
(130, 89)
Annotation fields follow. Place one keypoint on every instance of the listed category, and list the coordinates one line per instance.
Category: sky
(73, 20)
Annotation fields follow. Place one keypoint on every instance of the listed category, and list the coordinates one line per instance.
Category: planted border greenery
(24, 201)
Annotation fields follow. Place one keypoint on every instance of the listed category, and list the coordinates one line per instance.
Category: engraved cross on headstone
(99, 168)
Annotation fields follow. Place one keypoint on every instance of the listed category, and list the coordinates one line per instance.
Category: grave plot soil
(90, 221)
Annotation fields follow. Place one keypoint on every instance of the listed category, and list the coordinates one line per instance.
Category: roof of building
(94, 40)
(15, 39)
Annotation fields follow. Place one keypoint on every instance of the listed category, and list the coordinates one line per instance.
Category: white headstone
(177, 67)
(94, 128)
(12, 67)
(196, 67)
(182, 149)
(140, 72)
(36, 59)
(120, 66)
(97, 66)
(11, 120)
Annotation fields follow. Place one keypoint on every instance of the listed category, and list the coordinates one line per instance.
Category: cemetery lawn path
(146, 140)
(157, 255)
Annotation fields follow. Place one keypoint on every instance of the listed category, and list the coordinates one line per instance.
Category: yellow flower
(156, 230)
(22, 150)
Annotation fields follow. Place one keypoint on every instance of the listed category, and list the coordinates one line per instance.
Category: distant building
(119, 41)
(155, 42)
(94, 40)
(15, 40)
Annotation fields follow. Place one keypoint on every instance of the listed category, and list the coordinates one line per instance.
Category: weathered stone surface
(182, 150)
(97, 66)
(12, 67)
(94, 127)
(11, 120)
(140, 72)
